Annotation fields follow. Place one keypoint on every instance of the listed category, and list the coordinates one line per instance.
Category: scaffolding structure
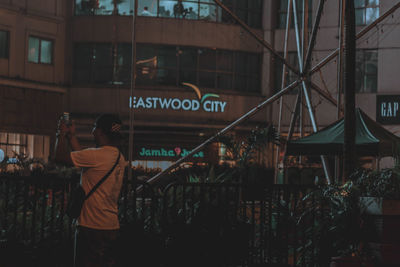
(305, 43)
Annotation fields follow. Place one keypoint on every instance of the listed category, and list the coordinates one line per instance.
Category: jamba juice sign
(163, 152)
(207, 102)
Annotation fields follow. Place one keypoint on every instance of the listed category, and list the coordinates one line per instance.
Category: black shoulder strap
(104, 178)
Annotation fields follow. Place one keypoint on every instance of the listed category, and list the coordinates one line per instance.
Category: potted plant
(330, 220)
(380, 208)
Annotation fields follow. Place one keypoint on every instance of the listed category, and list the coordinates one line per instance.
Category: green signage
(161, 152)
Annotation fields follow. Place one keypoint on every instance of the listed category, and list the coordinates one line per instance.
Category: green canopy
(371, 139)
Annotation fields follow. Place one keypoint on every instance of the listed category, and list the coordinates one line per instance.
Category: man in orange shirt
(97, 225)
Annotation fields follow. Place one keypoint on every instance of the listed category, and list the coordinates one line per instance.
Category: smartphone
(66, 118)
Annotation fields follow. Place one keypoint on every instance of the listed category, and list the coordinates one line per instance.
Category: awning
(371, 139)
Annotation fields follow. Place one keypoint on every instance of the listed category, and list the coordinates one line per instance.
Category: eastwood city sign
(207, 102)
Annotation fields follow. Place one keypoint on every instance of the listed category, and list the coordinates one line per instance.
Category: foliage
(378, 183)
(23, 165)
(241, 152)
(336, 231)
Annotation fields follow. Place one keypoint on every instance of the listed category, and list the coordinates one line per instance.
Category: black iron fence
(185, 223)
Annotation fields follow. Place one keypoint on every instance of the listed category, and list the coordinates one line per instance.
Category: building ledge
(32, 85)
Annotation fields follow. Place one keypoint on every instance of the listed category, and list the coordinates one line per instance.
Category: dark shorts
(95, 247)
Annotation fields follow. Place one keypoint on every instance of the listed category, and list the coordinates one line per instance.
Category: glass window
(188, 65)
(32, 146)
(40, 50)
(103, 7)
(147, 8)
(167, 65)
(46, 50)
(102, 63)
(166, 8)
(126, 7)
(366, 71)
(122, 70)
(366, 11)
(208, 12)
(248, 10)
(146, 64)
(207, 59)
(84, 7)
(4, 44)
(191, 9)
(83, 56)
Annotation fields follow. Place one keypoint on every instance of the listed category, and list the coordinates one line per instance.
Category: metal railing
(233, 224)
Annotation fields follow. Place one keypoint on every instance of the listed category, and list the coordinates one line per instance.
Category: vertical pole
(305, 91)
(283, 83)
(133, 86)
(349, 53)
(342, 6)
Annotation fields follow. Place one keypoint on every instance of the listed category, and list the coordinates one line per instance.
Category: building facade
(197, 70)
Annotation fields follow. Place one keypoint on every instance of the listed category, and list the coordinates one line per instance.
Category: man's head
(106, 130)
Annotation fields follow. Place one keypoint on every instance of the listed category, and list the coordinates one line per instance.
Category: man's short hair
(110, 124)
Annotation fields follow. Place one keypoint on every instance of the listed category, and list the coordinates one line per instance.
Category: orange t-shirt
(100, 210)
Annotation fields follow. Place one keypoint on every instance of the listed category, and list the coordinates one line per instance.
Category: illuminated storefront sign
(207, 102)
(388, 109)
(165, 152)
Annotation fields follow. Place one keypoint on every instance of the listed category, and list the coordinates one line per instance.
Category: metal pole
(284, 75)
(358, 36)
(227, 128)
(342, 7)
(305, 91)
(349, 67)
(293, 119)
(133, 86)
(315, 28)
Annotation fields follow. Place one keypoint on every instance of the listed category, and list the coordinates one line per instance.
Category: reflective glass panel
(191, 9)
(46, 51)
(33, 49)
(103, 7)
(207, 79)
(208, 12)
(360, 19)
(166, 8)
(4, 44)
(126, 7)
(147, 8)
(371, 14)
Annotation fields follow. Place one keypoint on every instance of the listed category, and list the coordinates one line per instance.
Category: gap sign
(388, 109)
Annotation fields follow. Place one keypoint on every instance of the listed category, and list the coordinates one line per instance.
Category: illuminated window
(248, 11)
(32, 146)
(282, 13)
(40, 50)
(366, 71)
(366, 11)
(4, 44)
